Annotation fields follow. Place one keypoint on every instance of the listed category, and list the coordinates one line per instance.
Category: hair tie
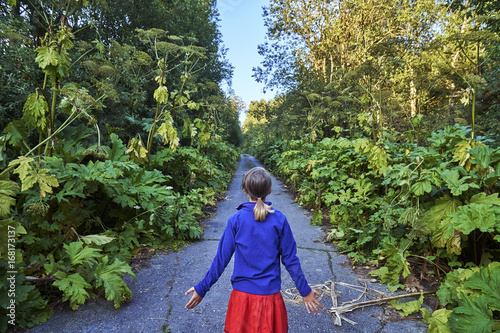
(259, 199)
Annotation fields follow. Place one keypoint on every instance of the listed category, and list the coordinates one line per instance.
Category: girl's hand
(195, 299)
(311, 302)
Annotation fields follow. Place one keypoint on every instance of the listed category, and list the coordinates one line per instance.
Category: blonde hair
(257, 184)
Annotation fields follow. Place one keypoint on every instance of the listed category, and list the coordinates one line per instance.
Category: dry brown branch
(335, 311)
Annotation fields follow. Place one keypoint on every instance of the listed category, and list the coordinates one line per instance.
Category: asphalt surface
(158, 292)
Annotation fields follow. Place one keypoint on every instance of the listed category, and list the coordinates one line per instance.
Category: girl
(259, 237)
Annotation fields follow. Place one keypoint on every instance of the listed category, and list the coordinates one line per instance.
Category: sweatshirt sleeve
(288, 251)
(225, 251)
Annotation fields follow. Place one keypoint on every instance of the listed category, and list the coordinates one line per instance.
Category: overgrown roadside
(420, 214)
(158, 302)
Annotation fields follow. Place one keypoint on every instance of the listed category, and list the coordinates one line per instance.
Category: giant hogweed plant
(436, 204)
(80, 208)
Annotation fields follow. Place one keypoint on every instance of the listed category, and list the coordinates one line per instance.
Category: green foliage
(471, 283)
(73, 287)
(456, 185)
(35, 111)
(396, 264)
(438, 321)
(408, 308)
(422, 203)
(79, 186)
(474, 295)
(376, 137)
(379, 88)
(472, 316)
(474, 216)
(31, 307)
(112, 206)
(136, 150)
(8, 191)
(109, 276)
(84, 265)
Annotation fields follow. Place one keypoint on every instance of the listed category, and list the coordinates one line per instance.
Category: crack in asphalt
(170, 286)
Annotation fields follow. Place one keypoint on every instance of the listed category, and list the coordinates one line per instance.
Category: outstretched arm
(225, 251)
(195, 299)
(311, 302)
(288, 251)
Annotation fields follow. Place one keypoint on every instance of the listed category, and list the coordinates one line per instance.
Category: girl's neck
(250, 199)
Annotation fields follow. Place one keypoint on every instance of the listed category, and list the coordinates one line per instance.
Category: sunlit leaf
(161, 95)
(168, 132)
(96, 239)
(438, 321)
(462, 155)
(78, 253)
(46, 56)
(23, 166)
(45, 182)
(8, 191)
(35, 110)
(484, 156)
(408, 308)
(136, 150)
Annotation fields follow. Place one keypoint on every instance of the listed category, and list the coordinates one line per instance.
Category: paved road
(158, 292)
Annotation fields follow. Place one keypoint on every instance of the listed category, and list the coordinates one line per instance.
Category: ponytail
(261, 209)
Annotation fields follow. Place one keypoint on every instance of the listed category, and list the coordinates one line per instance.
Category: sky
(242, 28)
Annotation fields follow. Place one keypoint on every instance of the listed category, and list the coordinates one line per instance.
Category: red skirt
(250, 313)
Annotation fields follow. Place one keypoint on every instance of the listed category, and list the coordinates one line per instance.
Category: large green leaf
(456, 184)
(472, 316)
(441, 209)
(483, 198)
(408, 308)
(23, 166)
(97, 239)
(47, 56)
(73, 286)
(35, 110)
(437, 220)
(421, 187)
(487, 280)
(474, 216)
(118, 149)
(454, 284)
(110, 276)
(484, 156)
(17, 135)
(492, 177)
(79, 254)
(437, 321)
(8, 191)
